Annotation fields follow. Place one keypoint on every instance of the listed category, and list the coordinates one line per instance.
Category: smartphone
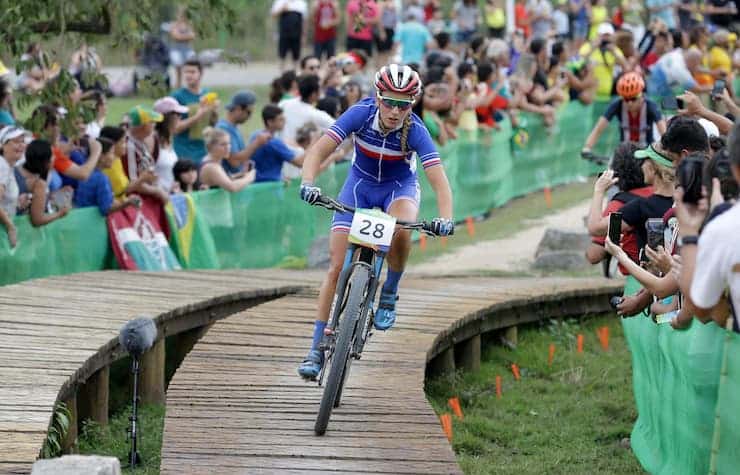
(718, 89)
(671, 103)
(655, 233)
(665, 317)
(615, 227)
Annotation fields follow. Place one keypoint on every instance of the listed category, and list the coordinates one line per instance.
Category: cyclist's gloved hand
(310, 193)
(587, 153)
(442, 227)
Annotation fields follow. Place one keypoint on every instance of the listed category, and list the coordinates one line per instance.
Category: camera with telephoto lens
(690, 177)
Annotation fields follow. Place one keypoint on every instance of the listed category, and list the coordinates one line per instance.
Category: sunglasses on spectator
(631, 99)
(402, 104)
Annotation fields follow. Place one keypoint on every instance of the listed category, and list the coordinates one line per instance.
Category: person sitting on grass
(97, 190)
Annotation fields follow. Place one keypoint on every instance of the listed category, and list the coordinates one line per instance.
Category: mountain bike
(351, 315)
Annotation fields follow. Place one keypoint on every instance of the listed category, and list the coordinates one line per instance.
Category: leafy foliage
(61, 23)
(112, 440)
(57, 432)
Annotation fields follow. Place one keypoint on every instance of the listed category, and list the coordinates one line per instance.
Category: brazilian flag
(190, 238)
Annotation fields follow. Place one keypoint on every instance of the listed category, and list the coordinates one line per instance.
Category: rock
(318, 253)
(78, 465)
(560, 260)
(556, 240)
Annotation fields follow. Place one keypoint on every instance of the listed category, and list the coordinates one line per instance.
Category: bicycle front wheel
(347, 325)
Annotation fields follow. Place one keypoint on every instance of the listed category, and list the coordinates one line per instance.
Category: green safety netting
(267, 225)
(676, 383)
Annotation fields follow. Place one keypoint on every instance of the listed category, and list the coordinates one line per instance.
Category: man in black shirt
(721, 12)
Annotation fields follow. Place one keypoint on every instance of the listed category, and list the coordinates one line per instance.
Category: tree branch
(98, 26)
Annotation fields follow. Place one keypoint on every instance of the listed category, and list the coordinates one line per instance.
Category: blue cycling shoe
(385, 316)
(311, 366)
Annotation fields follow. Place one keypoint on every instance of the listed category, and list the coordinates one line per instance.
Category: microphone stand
(134, 457)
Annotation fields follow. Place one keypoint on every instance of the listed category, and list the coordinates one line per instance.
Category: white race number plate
(371, 227)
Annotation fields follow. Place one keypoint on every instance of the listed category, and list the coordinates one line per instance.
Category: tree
(59, 23)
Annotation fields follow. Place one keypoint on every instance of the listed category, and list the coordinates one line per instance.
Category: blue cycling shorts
(361, 192)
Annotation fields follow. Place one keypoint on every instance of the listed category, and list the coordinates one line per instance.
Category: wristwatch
(688, 240)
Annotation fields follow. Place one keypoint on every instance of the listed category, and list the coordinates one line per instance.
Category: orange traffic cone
(455, 406)
(446, 421)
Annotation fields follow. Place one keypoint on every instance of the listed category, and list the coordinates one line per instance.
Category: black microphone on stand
(136, 336)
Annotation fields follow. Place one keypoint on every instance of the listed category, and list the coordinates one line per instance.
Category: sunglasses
(390, 103)
(632, 99)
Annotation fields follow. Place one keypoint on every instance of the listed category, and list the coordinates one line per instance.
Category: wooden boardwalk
(236, 405)
(53, 330)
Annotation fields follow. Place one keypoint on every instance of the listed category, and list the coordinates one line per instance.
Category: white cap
(13, 132)
(605, 29)
(709, 127)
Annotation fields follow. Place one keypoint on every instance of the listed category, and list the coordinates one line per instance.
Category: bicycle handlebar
(333, 205)
(597, 159)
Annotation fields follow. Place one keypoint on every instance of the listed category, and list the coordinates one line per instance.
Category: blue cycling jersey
(378, 156)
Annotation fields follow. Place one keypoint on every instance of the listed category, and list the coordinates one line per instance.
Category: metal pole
(134, 458)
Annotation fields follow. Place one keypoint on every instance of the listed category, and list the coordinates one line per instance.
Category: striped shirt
(377, 155)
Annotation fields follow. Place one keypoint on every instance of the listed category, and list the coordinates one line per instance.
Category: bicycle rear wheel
(347, 332)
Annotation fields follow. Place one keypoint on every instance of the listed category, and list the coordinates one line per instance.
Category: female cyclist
(383, 174)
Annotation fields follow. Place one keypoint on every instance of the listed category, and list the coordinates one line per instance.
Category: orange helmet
(630, 85)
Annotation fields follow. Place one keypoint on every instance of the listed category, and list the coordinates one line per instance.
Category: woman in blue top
(387, 137)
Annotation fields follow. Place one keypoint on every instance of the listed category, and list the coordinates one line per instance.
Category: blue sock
(318, 334)
(391, 282)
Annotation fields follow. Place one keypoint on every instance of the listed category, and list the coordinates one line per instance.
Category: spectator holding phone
(625, 173)
(711, 261)
(605, 57)
(636, 113)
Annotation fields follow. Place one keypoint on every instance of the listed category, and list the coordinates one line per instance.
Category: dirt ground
(515, 253)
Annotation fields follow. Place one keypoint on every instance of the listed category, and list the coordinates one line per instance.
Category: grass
(508, 220)
(112, 440)
(568, 418)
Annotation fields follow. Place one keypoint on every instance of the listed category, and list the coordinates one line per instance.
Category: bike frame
(372, 259)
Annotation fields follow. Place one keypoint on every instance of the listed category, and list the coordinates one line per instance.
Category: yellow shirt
(496, 18)
(118, 179)
(599, 15)
(603, 68)
(719, 58)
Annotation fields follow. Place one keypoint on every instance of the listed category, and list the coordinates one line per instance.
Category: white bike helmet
(398, 78)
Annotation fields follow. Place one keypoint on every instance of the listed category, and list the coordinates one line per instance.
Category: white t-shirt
(299, 6)
(673, 66)
(163, 168)
(93, 129)
(718, 261)
(561, 21)
(297, 113)
(9, 199)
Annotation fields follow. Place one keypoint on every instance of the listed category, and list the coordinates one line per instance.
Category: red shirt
(634, 123)
(629, 238)
(521, 15)
(325, 13)
(361, 12)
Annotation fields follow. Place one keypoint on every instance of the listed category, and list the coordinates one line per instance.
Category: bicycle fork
(374, 260)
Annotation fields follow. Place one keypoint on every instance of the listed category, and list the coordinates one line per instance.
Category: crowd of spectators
(676, 203)
(475, 76)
